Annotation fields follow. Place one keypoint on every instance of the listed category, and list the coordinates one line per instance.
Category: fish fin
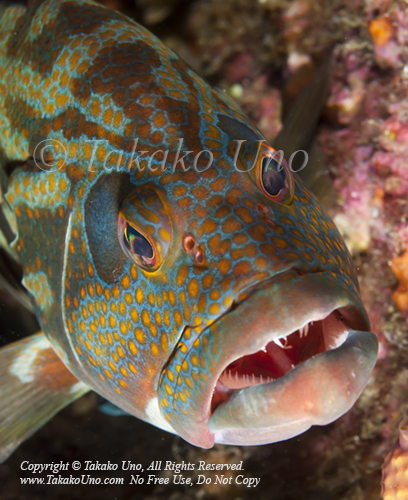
(317, 177)
(300, 124)
(108, 408)
(10, 278)
(11, 272)
(7, 4)
(34, 386)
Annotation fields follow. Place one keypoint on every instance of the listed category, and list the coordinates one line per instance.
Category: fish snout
(294, 353)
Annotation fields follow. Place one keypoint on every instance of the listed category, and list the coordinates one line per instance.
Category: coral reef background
(263, 53)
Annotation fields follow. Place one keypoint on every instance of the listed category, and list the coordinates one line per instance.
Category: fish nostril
(189, 243)
(199, 257)
(195, 250)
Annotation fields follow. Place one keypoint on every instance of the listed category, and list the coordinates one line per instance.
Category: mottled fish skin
(76, 72)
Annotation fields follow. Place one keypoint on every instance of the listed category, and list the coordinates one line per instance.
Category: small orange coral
(399, 267)
(395, 471)
(381, 31)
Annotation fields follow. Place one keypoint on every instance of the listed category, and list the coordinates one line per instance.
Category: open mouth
(281, 355)
(292, 352)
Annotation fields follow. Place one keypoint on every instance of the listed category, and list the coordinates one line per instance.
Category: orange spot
(177, 317)
(166, 318)
(182, 274)
(208, 226)
(139, 295)
(132, 347)
(134, 315)
(242, 268)
(128, 298)
(123, 328)
(207, 281)
(107, 116)
(126, 281)
(202, 302)
(164, 342)
(214, 309)
(179, 191)
(155, 349)
(381, 31)
(224, 266)
(172, 298)
(133, 272)
(150, 299)
(132, 368)
(139, 335)
(116, 292)
(193, 288)
(145, 317)
(279, 243)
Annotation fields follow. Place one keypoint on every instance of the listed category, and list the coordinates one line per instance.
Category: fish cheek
(101, 223)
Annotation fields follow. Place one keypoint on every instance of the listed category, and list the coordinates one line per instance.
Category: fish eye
(144, 229)
(137, 246)
(273, 176)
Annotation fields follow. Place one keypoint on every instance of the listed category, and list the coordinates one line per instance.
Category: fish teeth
(284, 345)
(304, 330)
(279, 343)
(237, 381)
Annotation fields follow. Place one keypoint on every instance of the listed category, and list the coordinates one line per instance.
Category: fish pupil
(136, 243)
(273, 176)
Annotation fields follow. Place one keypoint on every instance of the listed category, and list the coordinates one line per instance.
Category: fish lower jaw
(316, 392)
(281, 355)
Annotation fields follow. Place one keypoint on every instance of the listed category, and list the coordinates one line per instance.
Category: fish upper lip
(248, 290)
(252, 288)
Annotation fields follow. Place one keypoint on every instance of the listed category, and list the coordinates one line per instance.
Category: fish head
(214, 297)
(252, 327)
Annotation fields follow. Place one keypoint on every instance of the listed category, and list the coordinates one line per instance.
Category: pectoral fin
(300, 124)
(34, 386)
(298, 131)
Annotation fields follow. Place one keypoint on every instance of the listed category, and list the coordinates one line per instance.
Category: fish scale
(96, 90)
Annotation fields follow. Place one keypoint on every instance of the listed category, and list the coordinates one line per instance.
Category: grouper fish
(176, 264)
